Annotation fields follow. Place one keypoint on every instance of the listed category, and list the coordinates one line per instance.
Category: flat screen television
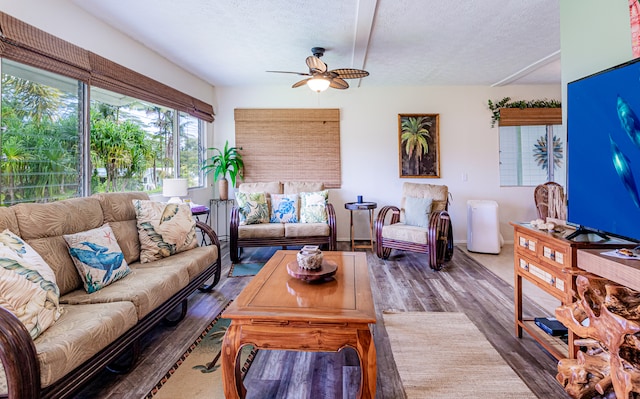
(603, 151)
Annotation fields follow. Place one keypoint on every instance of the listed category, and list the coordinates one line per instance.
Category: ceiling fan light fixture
(318, 84)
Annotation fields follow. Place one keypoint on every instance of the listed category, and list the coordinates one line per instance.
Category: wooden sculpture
(609, 364)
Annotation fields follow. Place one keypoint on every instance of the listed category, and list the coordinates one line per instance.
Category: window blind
(27, 44)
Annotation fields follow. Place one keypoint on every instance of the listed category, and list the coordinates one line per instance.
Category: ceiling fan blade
(349, 73)
(338, 83)
(300, 83)
(315, 64)
(295, 73)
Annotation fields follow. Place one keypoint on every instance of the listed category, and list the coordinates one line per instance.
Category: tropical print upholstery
(284, 208)
(27, 285)
(252, 208)
(164, 229)
(98, 257)
(313, 206)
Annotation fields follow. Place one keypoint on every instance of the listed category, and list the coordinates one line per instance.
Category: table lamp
(175, 188)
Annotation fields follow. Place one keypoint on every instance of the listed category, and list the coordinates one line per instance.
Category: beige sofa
(280, 234)
(94, 329)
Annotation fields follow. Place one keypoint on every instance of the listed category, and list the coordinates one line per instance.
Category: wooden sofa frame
(20, 360)
(236, 244)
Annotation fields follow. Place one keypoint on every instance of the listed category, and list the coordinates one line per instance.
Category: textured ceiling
(400, 42)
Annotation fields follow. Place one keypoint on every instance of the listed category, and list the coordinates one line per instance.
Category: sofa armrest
(19, 358)
(234, 222)
(331, 221)
(212, 240)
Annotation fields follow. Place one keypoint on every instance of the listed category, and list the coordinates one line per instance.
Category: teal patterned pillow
(97, 257)
(284, 208)
(313, 207)
(252, 208)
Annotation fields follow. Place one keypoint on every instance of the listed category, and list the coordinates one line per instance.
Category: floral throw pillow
(252, 208)
(284, 208)
(164, 229)
(28, 286)
(313, 207)
(97, 257)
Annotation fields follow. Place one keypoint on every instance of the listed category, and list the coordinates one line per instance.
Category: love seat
(274, 219)
(94, 329)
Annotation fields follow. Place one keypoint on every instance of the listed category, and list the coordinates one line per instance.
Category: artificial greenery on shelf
(522, 104)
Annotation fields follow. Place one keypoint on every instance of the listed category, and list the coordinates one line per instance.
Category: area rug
(456, 360)
(244, 269)
(197, 373)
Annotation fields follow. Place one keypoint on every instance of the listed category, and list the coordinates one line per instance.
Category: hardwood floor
(400, 283)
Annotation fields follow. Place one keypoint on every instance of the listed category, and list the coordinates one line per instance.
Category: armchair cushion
(405, 232)
(417, 211)
(253, 208)
(439, 194)
(313, 207)
(284, 208)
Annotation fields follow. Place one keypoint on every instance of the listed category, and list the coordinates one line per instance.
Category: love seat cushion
(295, 230)
(264, 230)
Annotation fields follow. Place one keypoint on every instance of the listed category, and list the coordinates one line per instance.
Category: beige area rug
(457, 360)
(197, 373)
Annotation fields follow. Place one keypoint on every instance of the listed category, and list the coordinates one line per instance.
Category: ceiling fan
(320, 78)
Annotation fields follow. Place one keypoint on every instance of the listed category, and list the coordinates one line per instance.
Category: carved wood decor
(297, 144)
(610, 365)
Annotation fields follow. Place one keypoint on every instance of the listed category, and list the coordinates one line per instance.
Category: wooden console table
(549, 261)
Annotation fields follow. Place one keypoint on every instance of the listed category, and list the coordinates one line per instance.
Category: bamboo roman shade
(530, 116)
(290, 145)
(29, 45)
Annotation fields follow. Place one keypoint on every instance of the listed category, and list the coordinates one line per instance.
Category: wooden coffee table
(277, 311)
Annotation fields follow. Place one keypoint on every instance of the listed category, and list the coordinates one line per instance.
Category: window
(531, 155)
(132, 142)
(40, 135)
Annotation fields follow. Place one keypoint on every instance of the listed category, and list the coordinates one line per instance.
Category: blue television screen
(603, 151)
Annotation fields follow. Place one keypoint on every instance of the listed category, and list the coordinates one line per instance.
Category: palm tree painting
(418, 145)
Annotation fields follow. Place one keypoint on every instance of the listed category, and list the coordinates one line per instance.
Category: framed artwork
(418, 145)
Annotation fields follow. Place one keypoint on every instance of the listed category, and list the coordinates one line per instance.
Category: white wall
(369, 143)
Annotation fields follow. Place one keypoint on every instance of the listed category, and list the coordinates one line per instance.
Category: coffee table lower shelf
(554, 345)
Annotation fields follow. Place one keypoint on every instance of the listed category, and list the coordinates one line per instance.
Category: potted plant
(506, 104)
(223, 162)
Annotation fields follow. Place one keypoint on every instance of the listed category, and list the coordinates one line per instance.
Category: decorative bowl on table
(310, 257)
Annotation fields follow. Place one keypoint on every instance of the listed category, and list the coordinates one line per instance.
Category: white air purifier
(483, 229)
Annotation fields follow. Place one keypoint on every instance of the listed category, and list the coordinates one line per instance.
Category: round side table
(361, 206)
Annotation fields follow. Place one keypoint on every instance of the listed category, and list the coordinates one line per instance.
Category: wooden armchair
(550, 201)
(432, 235)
